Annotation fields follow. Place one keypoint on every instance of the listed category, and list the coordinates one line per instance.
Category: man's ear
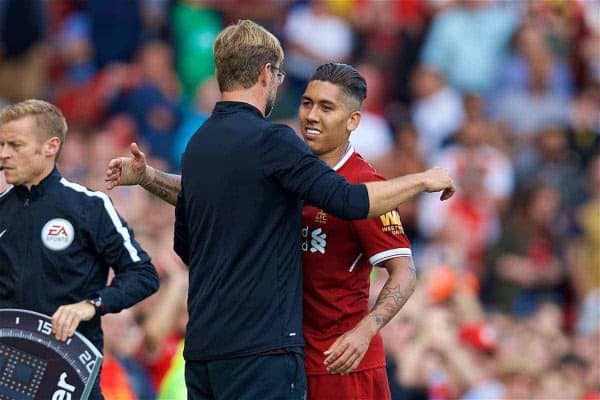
(51, 147)
(265, 75)
(353, 121)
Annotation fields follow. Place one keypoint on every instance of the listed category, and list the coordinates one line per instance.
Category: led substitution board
(36, 366)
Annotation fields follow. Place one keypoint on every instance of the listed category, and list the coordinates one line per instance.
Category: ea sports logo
(58, 234)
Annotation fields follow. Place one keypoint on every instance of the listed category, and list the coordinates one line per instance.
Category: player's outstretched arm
(387, 195)
(346, 353)
(134, 170)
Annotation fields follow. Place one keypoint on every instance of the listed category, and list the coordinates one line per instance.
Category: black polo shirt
(238, 222)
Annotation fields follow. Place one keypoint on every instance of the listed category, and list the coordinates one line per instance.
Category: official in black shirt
(58, 239)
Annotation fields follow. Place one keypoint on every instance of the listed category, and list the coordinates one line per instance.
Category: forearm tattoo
(392, 298)
(166, 186)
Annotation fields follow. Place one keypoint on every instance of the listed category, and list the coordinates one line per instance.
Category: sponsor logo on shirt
(390, 222)
(314, 241)
(58, 234)
(321, 217)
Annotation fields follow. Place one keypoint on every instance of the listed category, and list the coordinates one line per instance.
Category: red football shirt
(338, 256)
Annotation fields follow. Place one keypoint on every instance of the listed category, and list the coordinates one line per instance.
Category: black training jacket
(238, 226)
(57, 243)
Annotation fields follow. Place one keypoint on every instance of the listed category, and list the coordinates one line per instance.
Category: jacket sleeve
(135, 276)
(290, 162)
(181, 240)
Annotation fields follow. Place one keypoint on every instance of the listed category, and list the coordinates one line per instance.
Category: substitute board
(36, 366)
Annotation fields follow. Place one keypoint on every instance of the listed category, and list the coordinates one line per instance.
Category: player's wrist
(148, 176)
(423, 180)
(369, 326)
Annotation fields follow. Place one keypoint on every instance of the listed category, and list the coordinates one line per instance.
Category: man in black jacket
(238, 226)
(58, 239)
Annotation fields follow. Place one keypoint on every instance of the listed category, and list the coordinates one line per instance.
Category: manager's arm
(305, 175)
(288, 161)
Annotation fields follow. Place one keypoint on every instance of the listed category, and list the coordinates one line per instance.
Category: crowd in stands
(504, 94)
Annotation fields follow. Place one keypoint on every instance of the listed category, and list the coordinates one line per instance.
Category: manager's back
(237, 226)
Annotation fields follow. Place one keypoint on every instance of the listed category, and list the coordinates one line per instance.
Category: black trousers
(265, 376)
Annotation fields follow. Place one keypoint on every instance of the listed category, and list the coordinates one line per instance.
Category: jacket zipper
(27, 253)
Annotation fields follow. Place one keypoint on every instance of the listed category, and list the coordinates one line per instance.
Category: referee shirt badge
(58, 234)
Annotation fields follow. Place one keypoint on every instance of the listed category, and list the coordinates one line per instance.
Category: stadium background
(505, 94)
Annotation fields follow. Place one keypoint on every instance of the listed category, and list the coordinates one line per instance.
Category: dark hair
(345, 76)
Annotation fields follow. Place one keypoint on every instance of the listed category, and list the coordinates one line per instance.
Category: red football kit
(337, 260)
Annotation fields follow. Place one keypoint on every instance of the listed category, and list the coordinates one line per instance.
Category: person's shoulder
(356, 169)
(280, 133)
(277, 128)
(82, 195)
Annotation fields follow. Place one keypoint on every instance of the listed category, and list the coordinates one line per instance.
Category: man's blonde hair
(241, 50)
(48, 118)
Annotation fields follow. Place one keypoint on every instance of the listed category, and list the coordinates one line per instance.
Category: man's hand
(124, 171)
(437, 179)
(346, 353)
(67, 318)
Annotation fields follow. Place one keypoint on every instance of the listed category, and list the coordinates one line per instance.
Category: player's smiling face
(326, 117)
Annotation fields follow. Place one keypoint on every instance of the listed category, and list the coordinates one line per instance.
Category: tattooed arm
(159, 183)
(346, 353)
(135, 171)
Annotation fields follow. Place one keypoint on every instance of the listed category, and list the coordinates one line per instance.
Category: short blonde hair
(47, 116)
(241, 50)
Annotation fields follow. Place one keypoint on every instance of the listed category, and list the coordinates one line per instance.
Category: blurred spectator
(402, 159)
(164, 327)
(527, 110)
(74, 47)
(173, 385)
(195, 28)
(373, 137)
(526, 265)
(154, 104)
(72, 161)
(584, 122)
(472, 147)
(314, 36)
(125, 378)
(116, 29)
(516, 74)
(556, 164)
(471, 219)
(194, 116)
(23, 54)
(437, 111)
(467, 42)
(584, 255)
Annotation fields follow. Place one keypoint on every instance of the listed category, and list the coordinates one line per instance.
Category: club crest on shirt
(321, 217)
(58, 234)
(390, 222)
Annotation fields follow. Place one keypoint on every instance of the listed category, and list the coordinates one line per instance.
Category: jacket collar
(39, 189)
(225, 107)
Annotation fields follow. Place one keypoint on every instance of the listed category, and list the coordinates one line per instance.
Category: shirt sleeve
(181, 239)
(135, 276)
(382, 238)
(288, 161)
